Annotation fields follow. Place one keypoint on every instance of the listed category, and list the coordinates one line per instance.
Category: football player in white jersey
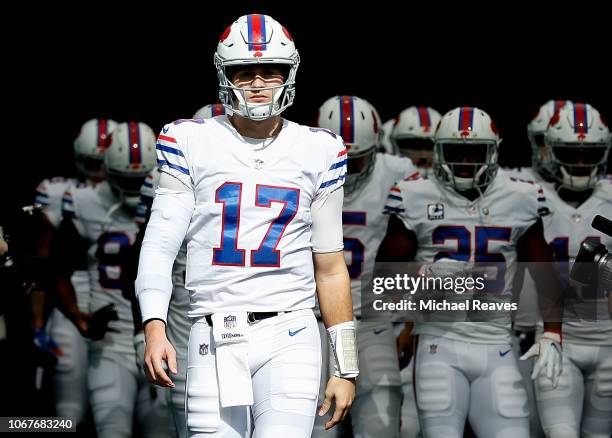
(468, 215)
(260, 201)
(412, 136)
(70, 377)
(375, 412)
(100, 220)
(579, 143)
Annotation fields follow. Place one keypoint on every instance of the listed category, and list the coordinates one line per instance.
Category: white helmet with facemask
(90, 146)
(358, 123)
(129, 158)
(412, 135)
(256, 39)
(466, 146)
(579, 141)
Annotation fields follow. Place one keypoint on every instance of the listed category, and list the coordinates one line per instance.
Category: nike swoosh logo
(502, 354)
(379, 331)
(296, 331)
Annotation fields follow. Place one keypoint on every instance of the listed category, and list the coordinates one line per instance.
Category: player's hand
(549, 358)
(97, 323)
(343, 392)
(3, 247)
(403, 345)
(157, 351)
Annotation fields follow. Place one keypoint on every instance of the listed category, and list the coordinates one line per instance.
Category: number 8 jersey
(447, 225)
(249, 240)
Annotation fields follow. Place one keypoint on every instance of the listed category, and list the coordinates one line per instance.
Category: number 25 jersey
(249, 240)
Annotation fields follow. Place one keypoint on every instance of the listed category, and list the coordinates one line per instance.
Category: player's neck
(257, 129)
(575, 198)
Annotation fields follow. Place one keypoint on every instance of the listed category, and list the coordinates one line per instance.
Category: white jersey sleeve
(172, 158)
(170, 218)
(333, 177)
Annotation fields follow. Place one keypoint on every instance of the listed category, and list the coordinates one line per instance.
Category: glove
(139, 346)
(46, 343)
(98, 324)
(549, 357)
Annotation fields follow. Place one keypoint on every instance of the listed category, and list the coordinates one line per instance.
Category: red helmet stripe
(134, 144)
(347, 124)
(424, 119)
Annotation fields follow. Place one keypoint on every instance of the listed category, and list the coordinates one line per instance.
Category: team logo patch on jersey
(433, 349)
(435, 211)
(203, 349)
(229, 321)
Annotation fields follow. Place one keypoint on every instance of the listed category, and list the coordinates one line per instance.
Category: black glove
(98, 324)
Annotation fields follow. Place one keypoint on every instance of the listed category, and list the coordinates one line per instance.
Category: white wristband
(344, 345)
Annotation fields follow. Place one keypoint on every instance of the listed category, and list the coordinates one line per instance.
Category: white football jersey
(363, 222)
(565, 230)
(109, 236)
(249, 242)
(447, 225)
(49, 194)
(178, 324)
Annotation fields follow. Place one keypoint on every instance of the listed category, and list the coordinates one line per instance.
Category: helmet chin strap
(257, 111)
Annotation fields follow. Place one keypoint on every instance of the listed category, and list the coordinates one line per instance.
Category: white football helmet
(90, 145)
(210, 111)
(466, 143)
(385, 139)
(413, 133)
(541, 159)
(256, 39)
(129, 158)
(357, 122)
(579, 141)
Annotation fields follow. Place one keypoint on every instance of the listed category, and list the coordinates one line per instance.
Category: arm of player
(68, 248)
(334, 294)
(170, 217)
(532, 248)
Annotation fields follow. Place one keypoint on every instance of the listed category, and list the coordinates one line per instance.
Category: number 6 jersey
(249, 241)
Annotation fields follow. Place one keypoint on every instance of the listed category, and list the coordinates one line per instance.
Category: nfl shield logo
(435, 211)
(229, 322)
(433, 349)
(203, 349)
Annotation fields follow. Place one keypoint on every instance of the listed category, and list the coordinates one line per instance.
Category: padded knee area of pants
(509, 395)
(603, 379)
(562, 431)
(103, 382)
(202, 400)
(434, 385)
(546, 390)
(295, 381)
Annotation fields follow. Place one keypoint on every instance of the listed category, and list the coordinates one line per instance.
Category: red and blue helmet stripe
(134, 144)
(347, 119)
(466, 118)
(581, 125)
(103, 135)
(256, 26)
(424, 119)
(558, 104)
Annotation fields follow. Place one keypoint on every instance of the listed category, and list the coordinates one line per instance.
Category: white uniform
(179, 324)
(249, 249)
(582, 402)
(467, 369)
(117, 390)
(70, 376)
(375, 411)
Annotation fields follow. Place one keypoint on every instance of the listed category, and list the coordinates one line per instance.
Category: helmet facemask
(541, 155)
(234, 98)
(359, 168)
(466, 165)
(127, 186)
(419, 150)
(91, 168)
(576, 166)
